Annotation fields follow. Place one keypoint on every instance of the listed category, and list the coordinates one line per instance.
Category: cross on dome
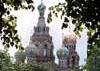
(41, 21)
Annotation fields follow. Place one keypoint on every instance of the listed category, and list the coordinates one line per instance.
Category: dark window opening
(73, 60)
(45, 50)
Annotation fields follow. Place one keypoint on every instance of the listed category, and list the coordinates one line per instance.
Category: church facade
(40, 48)
(41, 39)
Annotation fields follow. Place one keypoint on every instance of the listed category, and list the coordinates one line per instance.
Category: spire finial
(41, 1)
(69, 28)
(41, 9)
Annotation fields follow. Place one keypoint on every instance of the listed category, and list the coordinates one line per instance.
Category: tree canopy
(7, 65)
(8, 32)
(83, 13)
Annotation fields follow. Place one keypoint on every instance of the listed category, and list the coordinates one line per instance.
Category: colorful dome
(62, 53)
(70, 38)
(20, 55)
(31, 50)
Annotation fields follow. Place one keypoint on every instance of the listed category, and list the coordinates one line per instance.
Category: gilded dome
(20, 55)
(62, 53)
(70, 38)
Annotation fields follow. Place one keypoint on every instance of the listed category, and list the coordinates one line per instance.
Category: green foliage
(8, 32)
(83, 13)
(93, 63)
(7, 65)
(49, 18)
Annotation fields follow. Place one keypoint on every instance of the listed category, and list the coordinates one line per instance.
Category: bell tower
(42, 39)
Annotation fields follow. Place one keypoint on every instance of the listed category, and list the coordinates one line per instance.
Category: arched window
(30, 53)
(73, 60)
(45, 50)
(43, 29)
(38, 29)
(37, 45)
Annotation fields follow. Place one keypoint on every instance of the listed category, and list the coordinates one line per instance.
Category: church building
(41, 47)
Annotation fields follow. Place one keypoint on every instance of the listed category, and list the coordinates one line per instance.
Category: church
(41, 47)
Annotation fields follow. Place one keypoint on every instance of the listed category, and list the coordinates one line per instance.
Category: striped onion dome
(62, 53)
(70, 38)
(20, 56)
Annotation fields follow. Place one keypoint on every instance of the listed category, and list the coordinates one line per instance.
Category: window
(38, 29)
(45, 50)
(36, 45)
(30, 53)
(73, 60)
(43, 29)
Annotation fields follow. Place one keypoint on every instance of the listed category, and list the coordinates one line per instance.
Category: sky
(26, 20)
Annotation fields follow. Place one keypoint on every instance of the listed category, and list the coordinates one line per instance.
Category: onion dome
(31, 50)
(70, 38)
(62, 53)
(20, 56)
(41, 9)
(41, 20)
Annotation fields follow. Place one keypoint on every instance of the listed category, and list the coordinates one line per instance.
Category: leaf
(56, 14)
(8, 12)
(63, 12)
(89, 33)
(64, 25)
(78, 33)
(73, 21)
(49, 19)
(11, 43)
(66, 19)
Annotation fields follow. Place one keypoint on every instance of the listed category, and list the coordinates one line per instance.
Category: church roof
(70, 38)
(41, 6)
(20, 55)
